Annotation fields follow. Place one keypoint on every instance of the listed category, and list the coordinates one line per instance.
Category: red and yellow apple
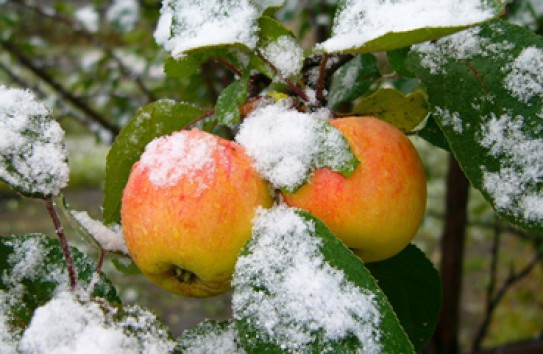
(378, 209)
(187, 210)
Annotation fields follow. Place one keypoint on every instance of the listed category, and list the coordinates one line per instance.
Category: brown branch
(446, 337)
(72, 273)
(511, 280)
(55, 85)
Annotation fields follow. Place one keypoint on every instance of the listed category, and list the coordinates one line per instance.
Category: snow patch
(88, 17)
(513, 185)
(450, 119)
(189, 24)
(463, 45)
(304, 295)
(110, 238)
(207, 338)
(286, 55)
(525, 77)
(285, 144)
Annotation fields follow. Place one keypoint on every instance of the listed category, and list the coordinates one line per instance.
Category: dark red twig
(72, 273)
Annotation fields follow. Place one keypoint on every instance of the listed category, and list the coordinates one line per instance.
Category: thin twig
(100, 263)
(228, 65)
(511, 280)
(495, 253)
(321, 81)
(72, 273)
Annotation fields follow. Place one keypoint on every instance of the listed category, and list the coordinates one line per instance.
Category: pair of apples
(186, 235)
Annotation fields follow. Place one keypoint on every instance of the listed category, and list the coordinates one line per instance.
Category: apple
(187, 210)
(378, 209)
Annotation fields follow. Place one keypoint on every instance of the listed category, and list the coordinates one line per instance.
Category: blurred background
(95, 63)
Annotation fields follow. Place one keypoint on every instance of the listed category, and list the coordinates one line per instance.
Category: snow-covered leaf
(353, 79)
(33, 156)
(390, 105)
(279, 46)
(74, 323)
(210, 337)
(377, 25)
(413, 287)
(485, 87)
(297, 288)
(33, 270)
(286, 145)
(185, 25)
(153, 120)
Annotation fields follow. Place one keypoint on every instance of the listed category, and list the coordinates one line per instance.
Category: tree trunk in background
(445, 339)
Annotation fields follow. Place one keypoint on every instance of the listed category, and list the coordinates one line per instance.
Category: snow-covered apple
(378, 209)
(187, 210)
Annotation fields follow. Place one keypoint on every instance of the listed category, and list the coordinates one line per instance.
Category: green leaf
(151, 121)
(210, 337)
(33, 156)
(390, 105)
(297, 288)
(381, 26)
(413, 287)
(271, 30)
(353, 79)
(485, 90)
(227, 108)
(34, 270)
(397, 59)
(431, 132)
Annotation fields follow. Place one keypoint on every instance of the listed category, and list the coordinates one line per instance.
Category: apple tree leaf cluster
(476, 90)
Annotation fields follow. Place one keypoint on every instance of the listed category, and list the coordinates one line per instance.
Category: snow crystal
(213, 340)
(462, 45)
(285, 144)
(32, 152)
(70, 325)
(110, 239)
(182, 154)
(124, 13)
(88, 17)
(513, 186)
(359, 22)
(304, 295)
(286, 55)
(525, 79)
(450, 119)
(189, 24)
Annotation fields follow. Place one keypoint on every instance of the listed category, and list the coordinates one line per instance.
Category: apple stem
(72, 273)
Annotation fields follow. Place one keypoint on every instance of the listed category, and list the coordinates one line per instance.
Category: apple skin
(187, 239)
(378, 209)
